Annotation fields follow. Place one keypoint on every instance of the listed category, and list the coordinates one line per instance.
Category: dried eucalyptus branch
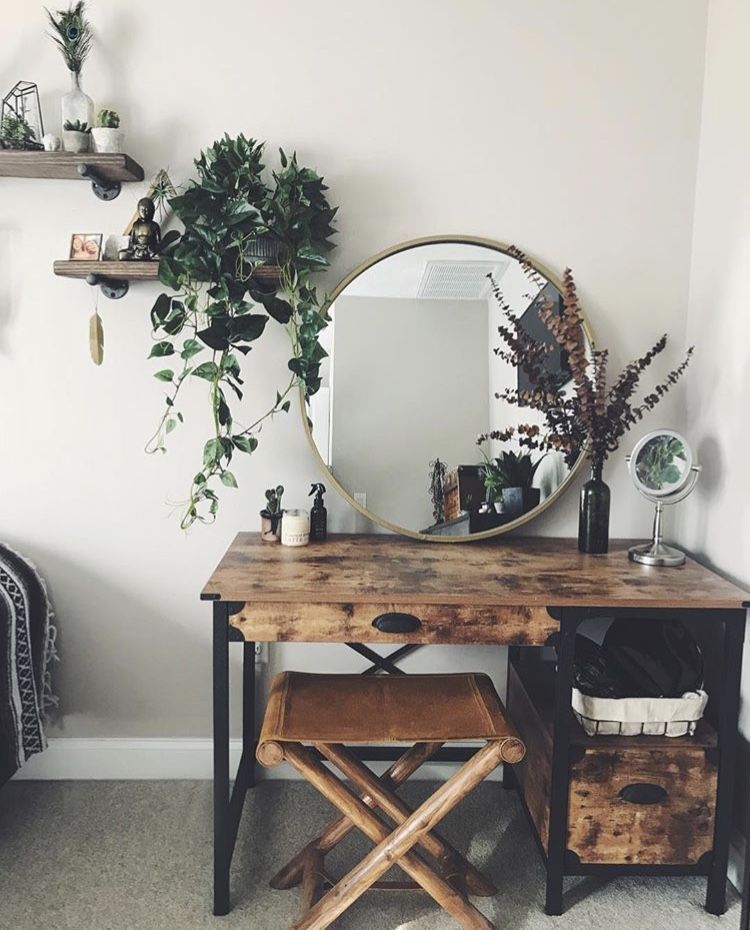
(593, 415)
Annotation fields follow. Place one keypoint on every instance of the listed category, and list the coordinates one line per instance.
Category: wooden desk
(512, 592)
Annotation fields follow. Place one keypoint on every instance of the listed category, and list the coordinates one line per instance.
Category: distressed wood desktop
(363, 590)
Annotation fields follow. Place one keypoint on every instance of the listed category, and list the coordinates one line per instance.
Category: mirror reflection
(412, 379)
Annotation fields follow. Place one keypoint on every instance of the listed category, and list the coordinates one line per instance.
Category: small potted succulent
(76, 136)
(270, 516)
(107, 135)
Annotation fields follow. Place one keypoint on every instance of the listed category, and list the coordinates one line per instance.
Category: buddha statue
(145, 236)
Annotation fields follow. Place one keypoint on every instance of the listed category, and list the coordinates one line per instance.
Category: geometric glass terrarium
(21, 124)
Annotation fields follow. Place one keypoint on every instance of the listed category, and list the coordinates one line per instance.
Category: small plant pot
(263, 249)
(270, 525)
(75, 142)
(518, 501)
(107, 140)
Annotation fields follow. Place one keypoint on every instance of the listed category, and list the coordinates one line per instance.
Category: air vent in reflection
(450, 280)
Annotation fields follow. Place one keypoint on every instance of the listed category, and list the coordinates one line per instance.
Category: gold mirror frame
(400, 530)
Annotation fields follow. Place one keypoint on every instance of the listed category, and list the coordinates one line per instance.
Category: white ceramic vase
(77, 105)
(75, 142)
(107, 140)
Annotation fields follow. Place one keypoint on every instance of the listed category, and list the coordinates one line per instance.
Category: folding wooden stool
(327, 711)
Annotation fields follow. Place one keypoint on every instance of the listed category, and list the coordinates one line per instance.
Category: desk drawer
(642, 806)
(437, 623)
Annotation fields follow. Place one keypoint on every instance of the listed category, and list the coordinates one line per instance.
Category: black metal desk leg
(509, 781)
(222, 843)
(248, 710)
(558, 815)
(745, 916)
(734, 634)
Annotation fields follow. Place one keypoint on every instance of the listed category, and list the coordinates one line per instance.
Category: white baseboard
(125, 759)
(142, 759)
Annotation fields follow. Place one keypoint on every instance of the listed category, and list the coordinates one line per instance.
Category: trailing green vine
(221, 304)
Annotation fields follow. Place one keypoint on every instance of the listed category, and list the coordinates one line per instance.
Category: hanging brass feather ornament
(96, 338)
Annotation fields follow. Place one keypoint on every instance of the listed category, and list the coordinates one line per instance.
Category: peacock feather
(72, 34)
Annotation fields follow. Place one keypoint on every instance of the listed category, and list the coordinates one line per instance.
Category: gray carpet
(137, 856)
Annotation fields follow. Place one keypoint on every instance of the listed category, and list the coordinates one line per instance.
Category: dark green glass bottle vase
(593, 519)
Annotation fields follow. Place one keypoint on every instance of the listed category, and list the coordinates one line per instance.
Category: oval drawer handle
(643, 793)
(397, 623)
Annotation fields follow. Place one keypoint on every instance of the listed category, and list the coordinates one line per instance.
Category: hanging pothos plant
(219, 306)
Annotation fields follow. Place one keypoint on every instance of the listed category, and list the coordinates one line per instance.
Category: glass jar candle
(295, 528)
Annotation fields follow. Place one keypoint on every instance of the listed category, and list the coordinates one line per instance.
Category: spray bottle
(318, 514)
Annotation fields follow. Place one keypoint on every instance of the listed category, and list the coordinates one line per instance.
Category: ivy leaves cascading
(221, 304)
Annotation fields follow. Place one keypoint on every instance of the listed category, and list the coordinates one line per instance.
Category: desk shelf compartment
(639, 801)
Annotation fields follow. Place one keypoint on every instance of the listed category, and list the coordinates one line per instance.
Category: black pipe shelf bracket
(102, 187)
(114, 288)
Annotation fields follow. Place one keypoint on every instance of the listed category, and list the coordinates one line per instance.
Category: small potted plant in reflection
(516, 472)
(508, 483)
(493, 486)
(270, 516)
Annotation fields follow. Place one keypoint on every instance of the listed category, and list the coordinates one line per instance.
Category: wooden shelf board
(123, 271)
(112, 167)
(137, 271)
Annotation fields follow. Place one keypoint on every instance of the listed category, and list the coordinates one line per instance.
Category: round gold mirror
(412, 379)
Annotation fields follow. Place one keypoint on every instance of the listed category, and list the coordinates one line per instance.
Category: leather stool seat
(309, 708)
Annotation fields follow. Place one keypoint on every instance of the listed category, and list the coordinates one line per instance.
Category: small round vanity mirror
(412, 379)
(661, 466)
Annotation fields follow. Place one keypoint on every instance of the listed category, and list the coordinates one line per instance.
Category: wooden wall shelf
(113, 277)
(127, 271)
(106, 172)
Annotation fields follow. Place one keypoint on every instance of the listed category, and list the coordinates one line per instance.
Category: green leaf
(208, 370)
(216, 335)
(176, 321)
(228, 479)
(190, 347)
(245, 443)
(160, 310)
(160, 349)
(168, 241)
(168, 272)
(280, 310)
(212, 452)
(247, 327)
(166, 374)
(170, 424)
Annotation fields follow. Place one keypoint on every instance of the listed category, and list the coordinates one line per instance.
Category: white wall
(592, 164)
(714, 519)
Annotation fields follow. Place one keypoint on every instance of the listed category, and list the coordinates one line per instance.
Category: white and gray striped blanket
(27, 646)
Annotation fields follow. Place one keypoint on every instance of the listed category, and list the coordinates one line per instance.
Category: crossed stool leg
(447, 881)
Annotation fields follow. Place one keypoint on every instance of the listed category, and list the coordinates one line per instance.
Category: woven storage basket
(639, 716)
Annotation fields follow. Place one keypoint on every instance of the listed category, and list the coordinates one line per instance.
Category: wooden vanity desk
(363, 590)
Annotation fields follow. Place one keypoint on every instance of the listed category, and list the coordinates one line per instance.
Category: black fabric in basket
(639, 658)
(656, 658)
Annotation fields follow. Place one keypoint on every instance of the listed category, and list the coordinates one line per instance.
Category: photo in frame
(86, 247)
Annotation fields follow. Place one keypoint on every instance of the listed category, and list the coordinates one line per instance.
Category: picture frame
(86, 247)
